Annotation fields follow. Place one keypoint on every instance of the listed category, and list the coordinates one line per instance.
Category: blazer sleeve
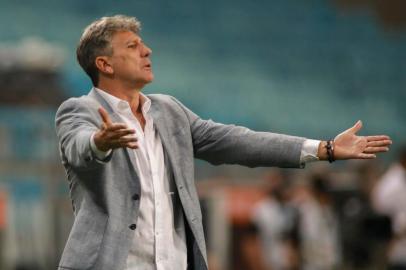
(230, 144)
(75, 123)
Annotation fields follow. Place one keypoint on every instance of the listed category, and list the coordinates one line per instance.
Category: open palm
(348, 145)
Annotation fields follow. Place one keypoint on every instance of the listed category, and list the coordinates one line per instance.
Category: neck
(129, 94)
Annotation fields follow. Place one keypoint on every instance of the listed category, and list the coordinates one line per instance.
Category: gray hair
(96, 41)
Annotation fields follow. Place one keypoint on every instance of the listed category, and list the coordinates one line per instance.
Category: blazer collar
(155, 112)
(95, 95)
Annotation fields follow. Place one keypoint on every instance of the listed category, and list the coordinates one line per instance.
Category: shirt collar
(119, 105)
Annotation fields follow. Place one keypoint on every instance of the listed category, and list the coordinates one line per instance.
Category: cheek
(124, 60)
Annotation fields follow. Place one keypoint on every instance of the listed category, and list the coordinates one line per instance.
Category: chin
(143, 79)
(141, 84)
(150, 79)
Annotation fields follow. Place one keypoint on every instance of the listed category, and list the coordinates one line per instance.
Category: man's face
(130, 59)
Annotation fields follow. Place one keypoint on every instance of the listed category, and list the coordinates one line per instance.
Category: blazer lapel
(162, 126)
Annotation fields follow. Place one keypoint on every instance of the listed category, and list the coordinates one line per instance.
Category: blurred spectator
(389, 198)
(363, 233)
(249, 249)
(317, 227)
(274, 219)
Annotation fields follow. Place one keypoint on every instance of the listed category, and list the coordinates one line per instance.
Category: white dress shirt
(159, 241)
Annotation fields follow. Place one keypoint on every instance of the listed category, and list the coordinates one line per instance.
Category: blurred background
(304, 67)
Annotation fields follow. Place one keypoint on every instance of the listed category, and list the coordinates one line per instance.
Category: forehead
(124, 37)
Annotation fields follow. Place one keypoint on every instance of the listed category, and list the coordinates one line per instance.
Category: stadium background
(304, 67)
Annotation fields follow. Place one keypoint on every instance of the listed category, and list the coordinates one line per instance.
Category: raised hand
(348, 145)
(114, 135)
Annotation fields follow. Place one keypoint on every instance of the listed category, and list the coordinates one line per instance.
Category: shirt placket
(146, 154)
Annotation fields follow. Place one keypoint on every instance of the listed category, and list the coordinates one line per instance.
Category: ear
(103, 65)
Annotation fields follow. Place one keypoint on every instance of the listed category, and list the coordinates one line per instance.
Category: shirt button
(132, 227)
(136, 197)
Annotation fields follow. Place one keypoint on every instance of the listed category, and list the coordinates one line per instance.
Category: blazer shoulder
(84, 102)
(164, 99)
(83, 106)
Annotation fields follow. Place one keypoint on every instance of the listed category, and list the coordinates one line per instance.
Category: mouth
(148, 66)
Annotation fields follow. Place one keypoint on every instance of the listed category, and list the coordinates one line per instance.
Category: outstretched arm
(348, 145)
(229, 144)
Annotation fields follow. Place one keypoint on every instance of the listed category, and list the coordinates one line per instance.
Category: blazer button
(132, 227)
(136, 197)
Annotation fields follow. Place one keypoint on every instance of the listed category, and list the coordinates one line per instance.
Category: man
(129, 159)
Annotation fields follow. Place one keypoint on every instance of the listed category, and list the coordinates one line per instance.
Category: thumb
(105, 116)
(356, 127)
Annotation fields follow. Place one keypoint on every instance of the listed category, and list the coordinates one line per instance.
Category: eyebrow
(138, 41)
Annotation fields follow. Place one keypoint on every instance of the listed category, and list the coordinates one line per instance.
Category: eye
(132, 46)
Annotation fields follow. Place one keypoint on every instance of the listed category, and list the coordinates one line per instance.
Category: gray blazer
(102, 193)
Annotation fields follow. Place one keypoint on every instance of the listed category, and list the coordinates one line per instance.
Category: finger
(116, 126)
(372, 150)
(366, 156)
(379, 143)
(377, 138)
(128, 139)
(105, 116)
(121, 133)
(132, 145)
(356, 127)
(120, 142)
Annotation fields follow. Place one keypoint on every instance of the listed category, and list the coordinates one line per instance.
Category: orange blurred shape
(241, 202)
(3, 201)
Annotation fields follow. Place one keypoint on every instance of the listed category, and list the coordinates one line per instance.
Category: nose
(147, 51)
